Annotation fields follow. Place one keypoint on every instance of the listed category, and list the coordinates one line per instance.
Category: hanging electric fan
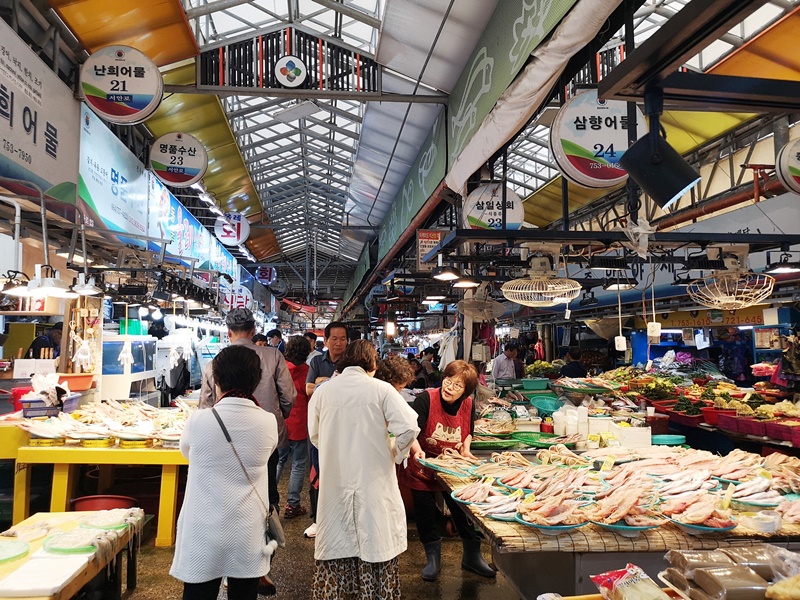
(732, 288)
(481, 306)
(541, 288)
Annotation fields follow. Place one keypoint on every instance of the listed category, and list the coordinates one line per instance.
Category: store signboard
(178, 159)
(588, 137)
(266, 275)
(427, 240)
(483, 208)
(236, 296)
(233, 231)
(39, 122)
(121, 84)
(112, 183)
(787, 166)
(753, 315)
(169, 219)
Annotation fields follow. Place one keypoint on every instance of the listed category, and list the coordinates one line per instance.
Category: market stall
(28, 571)
(584, 514)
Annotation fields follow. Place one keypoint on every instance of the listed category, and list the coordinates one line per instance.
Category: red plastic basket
(684, 419)
(711, 414)
(751, 426)
(779, 430)
(729, 422)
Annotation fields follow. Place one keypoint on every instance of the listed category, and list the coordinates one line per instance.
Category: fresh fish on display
(558, 510)
(477, 491)
(790, 511)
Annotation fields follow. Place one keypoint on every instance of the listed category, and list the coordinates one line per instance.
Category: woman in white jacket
(221, 527)
(361, 523)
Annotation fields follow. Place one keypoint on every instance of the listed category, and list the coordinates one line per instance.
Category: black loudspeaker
(284, 307)
(375, 312)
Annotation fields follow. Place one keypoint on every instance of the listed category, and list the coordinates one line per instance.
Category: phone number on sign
(730, 320)
(12, 149)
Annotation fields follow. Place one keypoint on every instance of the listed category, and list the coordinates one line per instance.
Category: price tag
(608, 463)
(93, 312)
(529, 499)
(567, 313)
(516, 494)
(726, 500)
(648, 365)
(762, 472)
(84, 312)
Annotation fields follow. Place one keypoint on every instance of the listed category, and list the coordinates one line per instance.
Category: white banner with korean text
(39, 122)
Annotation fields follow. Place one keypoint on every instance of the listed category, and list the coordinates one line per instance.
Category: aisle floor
(294, 567)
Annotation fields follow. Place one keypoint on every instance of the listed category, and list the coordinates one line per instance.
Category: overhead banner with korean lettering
(39, 122)
(169, 219)
(112, 185)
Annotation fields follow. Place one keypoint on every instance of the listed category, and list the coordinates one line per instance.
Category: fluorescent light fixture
(436, 297)
(785, 264)
(674, 331)
(298, 111)
(588, 299)
(620, 284)
(446, 273)
(745, 327)
(608, 263)
(466, 282)
(86, 288)
(430, 302)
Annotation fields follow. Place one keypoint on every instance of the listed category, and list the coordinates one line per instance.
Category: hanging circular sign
(121, 85)
(588, 137)
(290, 71)
(266, 275)
(234, 231)
(787, 166)
(236, 296)
(483, 208)
(178, 159)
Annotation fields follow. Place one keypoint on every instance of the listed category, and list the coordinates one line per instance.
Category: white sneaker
(311, 532)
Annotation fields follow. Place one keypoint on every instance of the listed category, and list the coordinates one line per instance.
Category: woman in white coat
(361, 523)
(221, 527)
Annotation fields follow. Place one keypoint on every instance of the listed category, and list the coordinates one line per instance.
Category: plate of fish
(132, 436)
(693, 529)
(625, 530)
(552, 530)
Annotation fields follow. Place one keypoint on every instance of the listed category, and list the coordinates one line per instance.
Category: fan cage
(541, 291)
(731, 290)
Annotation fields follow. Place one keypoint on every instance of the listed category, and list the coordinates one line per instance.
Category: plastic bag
(630, 583)
(785, 564)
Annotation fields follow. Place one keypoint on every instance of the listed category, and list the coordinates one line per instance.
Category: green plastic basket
(535, 383)
(536, 440)
(493, 444)
(546, 406)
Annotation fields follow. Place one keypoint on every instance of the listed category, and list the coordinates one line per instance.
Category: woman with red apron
(445, 421)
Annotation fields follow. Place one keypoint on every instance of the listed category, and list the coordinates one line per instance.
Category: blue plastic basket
(536, 383)
(546, 406)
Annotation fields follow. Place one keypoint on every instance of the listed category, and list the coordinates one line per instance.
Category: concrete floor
(293, 570)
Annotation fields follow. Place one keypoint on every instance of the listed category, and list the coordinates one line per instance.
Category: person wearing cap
(503, 366)
(51, 339)
(275, 392)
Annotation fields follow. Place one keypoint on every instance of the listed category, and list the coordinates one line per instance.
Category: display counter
(11, 573)
(65, 461)
(535, 563)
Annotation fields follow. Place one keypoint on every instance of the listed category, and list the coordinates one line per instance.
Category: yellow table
(11, 439)
(65, 522)
(65, 459)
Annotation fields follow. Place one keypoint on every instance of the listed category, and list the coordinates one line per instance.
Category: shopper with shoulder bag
(224, 528)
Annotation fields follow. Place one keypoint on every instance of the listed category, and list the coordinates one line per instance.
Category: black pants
(272, 480)
(426, 513)
(238, 589)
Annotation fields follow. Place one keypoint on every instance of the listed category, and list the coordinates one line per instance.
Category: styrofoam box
(632, 437)
(599, 424)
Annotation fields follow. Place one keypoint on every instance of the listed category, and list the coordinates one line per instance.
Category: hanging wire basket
(731, 290)
(541, 290)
